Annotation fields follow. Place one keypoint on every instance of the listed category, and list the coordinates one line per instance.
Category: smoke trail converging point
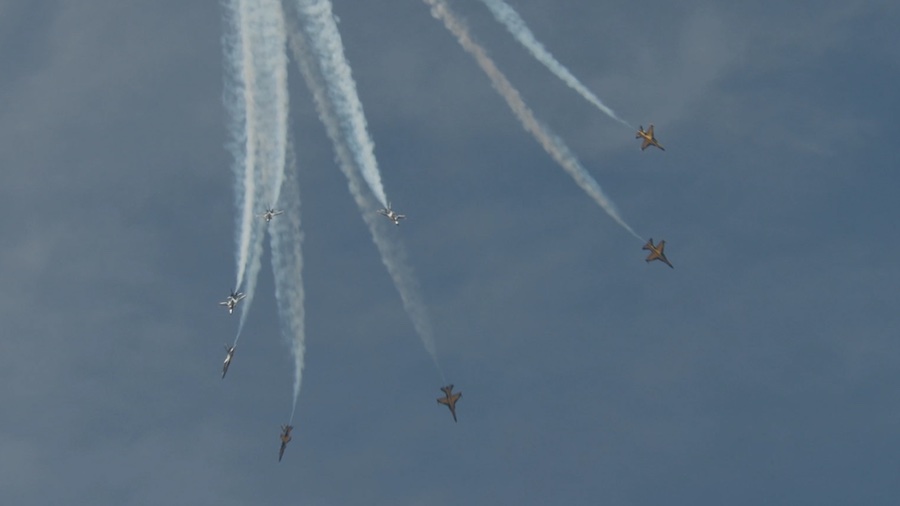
(506, 15)
(551, 143)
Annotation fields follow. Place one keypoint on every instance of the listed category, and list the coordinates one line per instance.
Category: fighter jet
(391, 214)
(649, 138)
(285, 439)
(230, 354)
(449, 399)
(232, 301)
(270, 213)
(657, 252)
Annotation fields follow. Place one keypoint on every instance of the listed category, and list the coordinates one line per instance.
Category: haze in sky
(760, 370)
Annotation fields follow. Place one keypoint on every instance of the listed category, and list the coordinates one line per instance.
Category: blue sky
(762, 369)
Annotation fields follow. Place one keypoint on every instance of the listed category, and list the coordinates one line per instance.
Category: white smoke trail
(552, 144)
(269, 121)
(506, 15)
(286, 241)
(240, 81)
(270, 56)
(253, 266)
(326, 44)
(393, 255)
(262, 71)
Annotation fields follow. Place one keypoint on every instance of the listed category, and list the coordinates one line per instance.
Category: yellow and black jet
(649, 138)
(449, 399)
(657, 252)
(285, 439)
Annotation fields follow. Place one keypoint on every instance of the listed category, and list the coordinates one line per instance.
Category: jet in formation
(232, 301)
(270, 213)
(657, 252)
(449, 399)
(649, 138)
(391, 214)
(285, 439)
(229, 350)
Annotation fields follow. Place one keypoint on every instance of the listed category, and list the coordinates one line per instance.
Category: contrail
(551, 143)
(393, 255)
(259, 108)
(326, 44)
(286, 240)
(506, 15)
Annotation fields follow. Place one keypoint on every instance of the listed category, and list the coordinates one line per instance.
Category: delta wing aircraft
(649, 138)
(449, 399)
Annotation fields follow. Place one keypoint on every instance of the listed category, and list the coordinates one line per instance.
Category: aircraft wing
(645, 144)
(451, 400)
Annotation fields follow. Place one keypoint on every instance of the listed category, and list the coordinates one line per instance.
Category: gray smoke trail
(393, 255)
(506, 15)
(286, 241)
(326, 44)
(552, 144)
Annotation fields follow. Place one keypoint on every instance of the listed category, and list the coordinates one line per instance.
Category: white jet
(230, 354)
(232, 301)
(270, 213)
(391, 214)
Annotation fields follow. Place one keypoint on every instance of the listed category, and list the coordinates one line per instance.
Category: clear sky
(763, 369)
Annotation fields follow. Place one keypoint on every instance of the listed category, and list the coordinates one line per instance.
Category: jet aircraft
(449, 399)
(229, 350)
(649, 138)
(657, 252)
(285, 439)
(391, 214)
(232, 301)
(270, 213)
